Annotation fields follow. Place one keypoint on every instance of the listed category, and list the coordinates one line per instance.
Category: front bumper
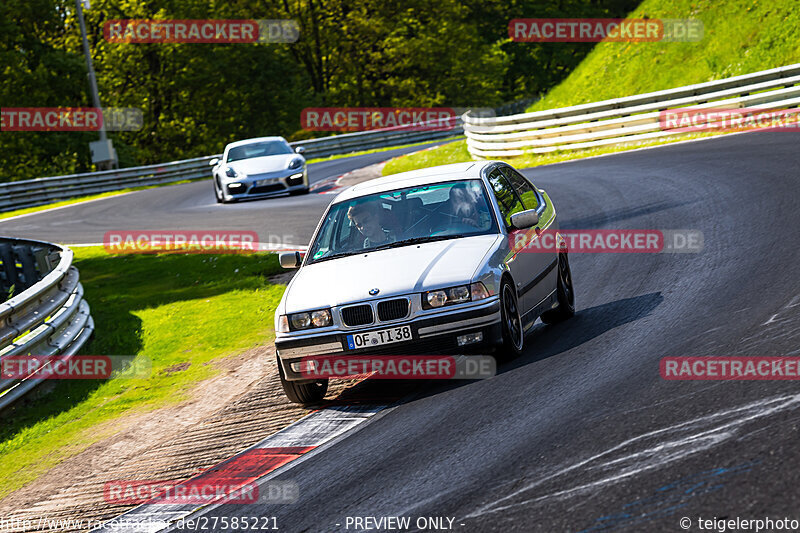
(431, 335)
(262, 186)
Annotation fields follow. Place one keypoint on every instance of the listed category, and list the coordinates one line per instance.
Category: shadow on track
(543, 341)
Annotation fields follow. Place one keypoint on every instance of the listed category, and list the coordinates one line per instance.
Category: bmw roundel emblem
(373, 292)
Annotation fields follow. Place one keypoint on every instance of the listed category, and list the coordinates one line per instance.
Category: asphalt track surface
(581, 432)
(281, 220)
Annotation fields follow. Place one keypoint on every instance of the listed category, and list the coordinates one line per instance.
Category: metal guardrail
(30, 193)
(46, 314)
(632, 119)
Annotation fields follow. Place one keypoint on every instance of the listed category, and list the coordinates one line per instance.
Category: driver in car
(366, 217)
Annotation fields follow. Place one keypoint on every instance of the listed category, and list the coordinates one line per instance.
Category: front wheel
(299, 192)
(217, 193)
(565, 293)
(513, 334)
(303, 393)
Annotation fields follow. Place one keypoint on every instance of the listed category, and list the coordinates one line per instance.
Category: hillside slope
(740, 36)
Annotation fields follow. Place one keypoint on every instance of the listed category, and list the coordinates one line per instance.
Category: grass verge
(375, 150)
(167, 308)
(457, 153)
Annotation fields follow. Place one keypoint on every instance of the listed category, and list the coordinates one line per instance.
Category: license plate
(261, 183)
(378, 338)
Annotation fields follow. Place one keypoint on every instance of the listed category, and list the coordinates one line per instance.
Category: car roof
(254, 140)
(415, 178)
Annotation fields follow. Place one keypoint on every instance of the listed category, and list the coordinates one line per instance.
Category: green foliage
(197, 97)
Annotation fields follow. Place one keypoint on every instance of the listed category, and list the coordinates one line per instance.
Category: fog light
(470, 338)
(236, 188)
(295, 179)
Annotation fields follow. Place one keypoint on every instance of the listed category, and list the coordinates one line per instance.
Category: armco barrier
(29, 193)
(633, 119)
(46, 314)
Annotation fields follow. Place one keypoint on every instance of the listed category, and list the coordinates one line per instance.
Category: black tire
(299, 192)
(303, 393)
(513, 334)
(565, 292)
(217, 194)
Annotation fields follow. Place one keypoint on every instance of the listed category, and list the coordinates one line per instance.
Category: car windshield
(259, 149)
(404, 217)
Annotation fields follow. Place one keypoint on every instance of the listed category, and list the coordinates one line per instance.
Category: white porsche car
(423, 262)
(259, 168)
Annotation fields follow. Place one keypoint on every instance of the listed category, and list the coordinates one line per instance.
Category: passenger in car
(463, 207)
(367, 219)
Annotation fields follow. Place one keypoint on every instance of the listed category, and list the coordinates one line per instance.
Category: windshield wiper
(416, 240)
(336, 256)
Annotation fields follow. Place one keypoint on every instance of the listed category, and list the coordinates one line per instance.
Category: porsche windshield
(259, 149)
(402, 217)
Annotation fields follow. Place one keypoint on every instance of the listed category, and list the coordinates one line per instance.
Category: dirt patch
(180, 367)
(224, 415)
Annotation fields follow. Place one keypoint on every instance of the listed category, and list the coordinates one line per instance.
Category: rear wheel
(565, 293)
(513, 335)
(303, 393)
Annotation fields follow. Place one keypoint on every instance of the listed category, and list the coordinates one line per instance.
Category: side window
(506, 197)
(523, 187)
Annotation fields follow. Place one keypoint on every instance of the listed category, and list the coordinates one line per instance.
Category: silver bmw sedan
(434, 261)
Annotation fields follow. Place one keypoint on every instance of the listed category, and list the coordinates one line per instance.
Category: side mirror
(214, 162)
(524, 219)
(290, 259)
(300, 150)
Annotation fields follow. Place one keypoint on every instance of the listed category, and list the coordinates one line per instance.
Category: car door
(531, 269)
(547, 260)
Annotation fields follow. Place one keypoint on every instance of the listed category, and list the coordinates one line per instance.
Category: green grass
(740, 36)
(454, 152)
(373, 151)
(81, 199)
(169, 308)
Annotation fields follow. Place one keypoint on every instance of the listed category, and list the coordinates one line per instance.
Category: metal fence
(634, 119)
(45, 315)
(29, 193)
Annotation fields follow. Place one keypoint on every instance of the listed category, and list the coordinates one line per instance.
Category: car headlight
(454, 295)
(295, 163)
(230, 172)
(310, 319)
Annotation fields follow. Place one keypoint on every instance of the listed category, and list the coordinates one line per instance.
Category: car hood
(414, 268)
(262, 165)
